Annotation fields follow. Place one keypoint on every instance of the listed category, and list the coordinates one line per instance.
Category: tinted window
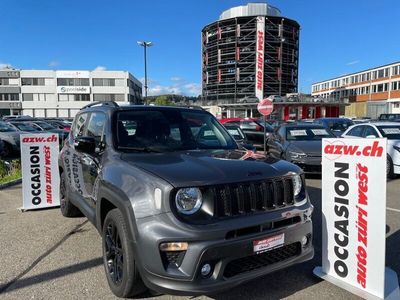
(356, 131)
(391, 132)
(307, 133)
(370, 131)
(4, 127)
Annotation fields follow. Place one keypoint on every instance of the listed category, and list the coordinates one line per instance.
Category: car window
(370, 131)
(356, 131)
(391, 132)
(79, 126)
(170, 130)
(249, 125)
(95, 127)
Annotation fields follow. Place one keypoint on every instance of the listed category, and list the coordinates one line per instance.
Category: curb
(11, 183)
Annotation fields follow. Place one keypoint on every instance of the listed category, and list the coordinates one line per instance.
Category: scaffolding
(229, 58)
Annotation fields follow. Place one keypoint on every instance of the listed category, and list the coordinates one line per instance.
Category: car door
(91, 162)
(73, 159)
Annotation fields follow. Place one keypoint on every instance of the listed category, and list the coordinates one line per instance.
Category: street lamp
(145, 45)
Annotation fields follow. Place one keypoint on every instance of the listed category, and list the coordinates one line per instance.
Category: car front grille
(246, 198)
(257, 261)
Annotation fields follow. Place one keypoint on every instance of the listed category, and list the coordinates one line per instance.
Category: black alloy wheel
(119, 259)
(114, 254)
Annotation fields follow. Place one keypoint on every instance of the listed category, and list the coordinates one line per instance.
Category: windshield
(307, 133)
(4, 127)
(235, 132)
(25, 127)
(390, 132)
(167, 130)
(44, 125)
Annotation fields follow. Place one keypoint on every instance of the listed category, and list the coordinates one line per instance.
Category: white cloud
(54, 63)
(100, 68)
(352, 62)
(192, 89)
(176, 79)
(161, 90)
(5, 66)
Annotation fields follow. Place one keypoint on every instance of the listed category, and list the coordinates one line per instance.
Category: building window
(394, 85)
(9, 97)
(103, 82)
(396, 105)
(374, 88)
(108, 97)
(4, 81)
(27, 97)
(395, 70)
(73, 81)
(82, 97)
(32, 81)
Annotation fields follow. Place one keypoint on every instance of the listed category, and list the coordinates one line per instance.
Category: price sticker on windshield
(298, 132)
(391, 130)
(319, 131)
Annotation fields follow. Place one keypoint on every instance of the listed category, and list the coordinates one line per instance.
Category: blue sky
(337, 37)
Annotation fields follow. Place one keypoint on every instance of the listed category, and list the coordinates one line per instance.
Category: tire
(118, 257)
(7, 150)
(389, 168)
(67, 208)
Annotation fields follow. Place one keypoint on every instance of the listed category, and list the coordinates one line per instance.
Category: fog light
(174, 246)
(304, 241)
(205, 270)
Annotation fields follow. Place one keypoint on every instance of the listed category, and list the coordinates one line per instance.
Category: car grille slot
(247, 198)
(257, 261)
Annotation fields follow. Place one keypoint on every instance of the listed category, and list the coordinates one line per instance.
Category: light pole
(145, 45)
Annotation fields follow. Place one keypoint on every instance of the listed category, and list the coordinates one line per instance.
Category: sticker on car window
(391, 130)
(298, 132)
(233, 131)
(319, 132)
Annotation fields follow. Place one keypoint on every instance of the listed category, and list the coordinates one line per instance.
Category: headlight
(297, 184)
(188, 200)
(297, 155)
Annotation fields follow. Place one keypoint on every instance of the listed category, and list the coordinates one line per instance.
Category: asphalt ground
(46, 256)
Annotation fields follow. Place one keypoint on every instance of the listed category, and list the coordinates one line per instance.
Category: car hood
(313, 148)
(209, 167)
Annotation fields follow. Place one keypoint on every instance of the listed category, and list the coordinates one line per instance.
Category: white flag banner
(40, 177)
(354, 215)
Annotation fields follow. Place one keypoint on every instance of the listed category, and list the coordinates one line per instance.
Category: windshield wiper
(140, 149)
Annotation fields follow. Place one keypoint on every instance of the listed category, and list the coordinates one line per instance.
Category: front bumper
(232, 259)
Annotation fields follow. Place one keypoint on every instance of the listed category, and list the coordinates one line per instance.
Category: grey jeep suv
(181, 208)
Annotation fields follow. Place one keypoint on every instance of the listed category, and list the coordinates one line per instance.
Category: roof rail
(101, 103)
(192, 107)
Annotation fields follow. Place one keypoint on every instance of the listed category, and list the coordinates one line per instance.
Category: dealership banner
(40, 177)
(259, 92)
(354, 214)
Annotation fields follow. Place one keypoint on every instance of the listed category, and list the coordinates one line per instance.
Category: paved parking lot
(46, 256)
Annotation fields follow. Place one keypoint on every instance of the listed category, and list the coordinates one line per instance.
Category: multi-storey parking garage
(250, 51)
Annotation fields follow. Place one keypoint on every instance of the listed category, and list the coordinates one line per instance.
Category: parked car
(22, 126)
(240, 137)
(180, 208)
(249, 99)
(389, 130)
(300, 144)
(10, 137)
(253, 129)
(275, 98)
(389, 117)
(60, 124)
(45, 127)
(336, 125)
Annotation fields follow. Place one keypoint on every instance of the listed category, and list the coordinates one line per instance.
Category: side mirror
(85, 144)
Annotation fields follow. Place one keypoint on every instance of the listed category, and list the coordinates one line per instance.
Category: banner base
(392, 291)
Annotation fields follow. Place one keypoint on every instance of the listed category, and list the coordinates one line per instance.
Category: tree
(163, 100)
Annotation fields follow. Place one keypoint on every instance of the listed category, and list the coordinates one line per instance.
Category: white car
(389, 130)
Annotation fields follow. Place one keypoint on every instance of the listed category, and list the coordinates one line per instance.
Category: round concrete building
(251, 51)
